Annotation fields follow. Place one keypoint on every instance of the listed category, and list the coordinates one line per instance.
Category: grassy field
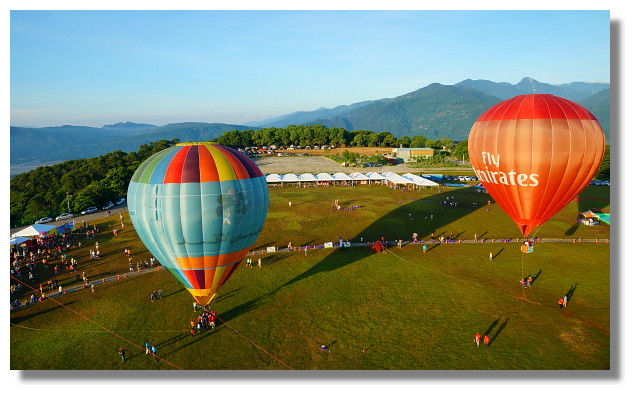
(408, 310)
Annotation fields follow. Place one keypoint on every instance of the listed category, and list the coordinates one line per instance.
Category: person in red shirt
(561, 302)
(486, 340)
(477, 339)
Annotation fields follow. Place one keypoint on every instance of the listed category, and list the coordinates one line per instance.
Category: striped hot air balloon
(535, 154)
(198, 208)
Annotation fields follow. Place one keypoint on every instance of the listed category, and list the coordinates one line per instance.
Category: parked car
(90, 210)
(108, 206)
(64, 216)
(44, 220)
(120, 201)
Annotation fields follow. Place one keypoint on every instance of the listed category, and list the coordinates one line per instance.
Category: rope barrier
(253, 343)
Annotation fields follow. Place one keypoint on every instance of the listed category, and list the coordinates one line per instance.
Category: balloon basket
(527, 249)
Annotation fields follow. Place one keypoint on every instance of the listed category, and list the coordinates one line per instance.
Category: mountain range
(435, 111)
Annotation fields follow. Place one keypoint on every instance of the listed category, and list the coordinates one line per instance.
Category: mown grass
(409, 310)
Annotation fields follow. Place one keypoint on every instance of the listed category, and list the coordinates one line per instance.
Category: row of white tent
(389, 177)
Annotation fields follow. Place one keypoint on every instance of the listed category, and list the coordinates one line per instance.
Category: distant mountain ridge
(435, 111)
(29, 145)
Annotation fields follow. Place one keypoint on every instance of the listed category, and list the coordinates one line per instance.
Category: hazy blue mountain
(130, 126)
(303, 117)
(573, 91)
(75, 142)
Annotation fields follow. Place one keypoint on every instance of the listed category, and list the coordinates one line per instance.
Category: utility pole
(68, 202)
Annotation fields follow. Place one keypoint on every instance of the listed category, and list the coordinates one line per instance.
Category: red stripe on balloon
(539, 106)
(175, 169)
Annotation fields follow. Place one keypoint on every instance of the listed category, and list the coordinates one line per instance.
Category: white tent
(308, 177)
(290, 177)
(35, 230)
(359, 177)
(325, 177)
(397, 179)
(375, 176)
(420, 181)
(273, 178)
(341, 177)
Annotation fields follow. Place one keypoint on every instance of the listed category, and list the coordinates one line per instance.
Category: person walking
(477, 339)
(154, 352)
(148, 347)
(122, 352)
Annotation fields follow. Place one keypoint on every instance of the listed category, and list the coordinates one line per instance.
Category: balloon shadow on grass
(27, 317)
(395, 225)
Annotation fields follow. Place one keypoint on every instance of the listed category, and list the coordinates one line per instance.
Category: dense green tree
(419, 141)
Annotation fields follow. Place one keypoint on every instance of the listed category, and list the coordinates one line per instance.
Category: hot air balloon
(535, 154)
(198, 208)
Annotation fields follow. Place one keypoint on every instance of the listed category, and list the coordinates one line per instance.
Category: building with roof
(411, 154)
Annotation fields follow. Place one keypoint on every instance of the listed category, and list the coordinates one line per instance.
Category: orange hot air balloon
(535, 154)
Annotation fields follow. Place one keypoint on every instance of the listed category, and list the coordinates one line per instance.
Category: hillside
(600, 105)
(436, 111)
(36, 145)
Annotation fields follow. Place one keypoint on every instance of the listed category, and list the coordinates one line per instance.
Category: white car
(64, 216)
(44, 220)
(90, 210)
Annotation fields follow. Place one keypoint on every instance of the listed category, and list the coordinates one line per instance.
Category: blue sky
(99, 67)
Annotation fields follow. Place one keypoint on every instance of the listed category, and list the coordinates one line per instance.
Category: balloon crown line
(197, 143)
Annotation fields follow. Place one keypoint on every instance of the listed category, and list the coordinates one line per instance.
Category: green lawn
(408, 310)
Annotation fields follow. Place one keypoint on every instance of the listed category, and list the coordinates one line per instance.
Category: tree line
(312, 135)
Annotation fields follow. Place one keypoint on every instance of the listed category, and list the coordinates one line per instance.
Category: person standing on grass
(425, 249)
(477, 339)
(92, 287)
(122, 352)
(486, 340)
(491, 256)
(260, 263)
(154, 352)
(148, 347)
(565, 300)
(561, 302)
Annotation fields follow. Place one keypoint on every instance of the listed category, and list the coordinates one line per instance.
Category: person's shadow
(571, 291)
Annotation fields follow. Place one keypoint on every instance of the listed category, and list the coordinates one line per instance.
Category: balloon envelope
(535, 154)
(198, 208)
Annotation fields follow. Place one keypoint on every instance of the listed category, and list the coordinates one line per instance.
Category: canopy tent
(325, 177)
(290, 177)
(397, 179)
(604, 217)
(420, 181)
(359, 177)
(374, 176)
(341, 177)
(35, 230)
(18, 240)
(271, 178)
(308, 177)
